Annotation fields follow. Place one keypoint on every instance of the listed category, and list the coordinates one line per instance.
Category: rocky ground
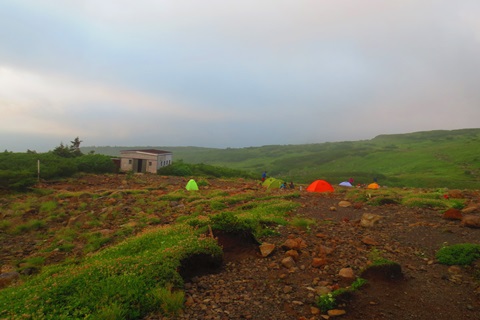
(254, 287)
(328, 255)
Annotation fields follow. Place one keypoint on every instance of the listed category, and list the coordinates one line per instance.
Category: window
(129, 161)
(149, 163)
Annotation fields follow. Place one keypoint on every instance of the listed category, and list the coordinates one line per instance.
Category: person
(291, 185)
(351, 181)
(283, 185)
(264, 175)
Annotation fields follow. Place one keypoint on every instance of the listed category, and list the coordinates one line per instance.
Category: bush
(459, 254)
(95, 163)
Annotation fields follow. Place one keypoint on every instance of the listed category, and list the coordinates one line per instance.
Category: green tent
(272, 183)
(191, 185)
(268, 181)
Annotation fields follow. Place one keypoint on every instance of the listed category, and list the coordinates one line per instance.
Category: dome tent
(268, 181)
(320, 186)
(191, 185)
(272, 183)
(345, 184)
(373, 185)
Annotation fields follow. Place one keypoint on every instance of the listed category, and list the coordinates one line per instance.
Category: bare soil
(249, 286)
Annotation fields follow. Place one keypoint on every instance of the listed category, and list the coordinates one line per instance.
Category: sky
(233, 74)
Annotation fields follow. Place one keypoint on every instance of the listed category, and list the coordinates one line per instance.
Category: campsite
(322, 242)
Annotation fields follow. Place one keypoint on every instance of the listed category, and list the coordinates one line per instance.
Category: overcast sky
(217, 73)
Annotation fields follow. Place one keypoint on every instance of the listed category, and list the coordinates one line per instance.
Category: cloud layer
(234, 74)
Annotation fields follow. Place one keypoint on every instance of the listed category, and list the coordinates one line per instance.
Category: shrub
(425, 203)
(459, 254)
(95, 163)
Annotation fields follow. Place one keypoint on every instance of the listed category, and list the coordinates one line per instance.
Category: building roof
(149, 151)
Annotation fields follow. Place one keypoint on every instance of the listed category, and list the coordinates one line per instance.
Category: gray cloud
(232, 74)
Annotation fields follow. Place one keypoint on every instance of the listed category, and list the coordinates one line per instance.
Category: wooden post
(38, 170)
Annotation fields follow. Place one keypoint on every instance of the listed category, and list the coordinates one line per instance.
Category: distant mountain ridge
(438, 158)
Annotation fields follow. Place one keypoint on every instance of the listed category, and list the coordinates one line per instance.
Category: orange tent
(320, 186)
(373, 185)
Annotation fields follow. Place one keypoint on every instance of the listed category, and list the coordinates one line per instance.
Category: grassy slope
(422, 159)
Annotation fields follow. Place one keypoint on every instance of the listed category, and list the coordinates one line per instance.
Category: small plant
(112, 311)
(167, 300)
(302, 223)
(376, 256)
(326, 302)
(358, 283)
(48, 206)
(329, 301)
(29, 226)
(202, 183)
(95, 241)
(459, 254)
(5, 224)
(217, 205)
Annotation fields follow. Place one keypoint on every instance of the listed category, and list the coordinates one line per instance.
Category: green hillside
(435, 159)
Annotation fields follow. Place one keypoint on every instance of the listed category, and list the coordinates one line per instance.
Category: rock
(344, 204)
(336, 312)
(289, 244)
(346, 273)
(469, 209)
(287, 289)
(314, 310)
(370, 241)
(358, 205)
(288, 262)
(8, 278)
(369, 220)
(454, 269)
(294, 244)
(324, 250)
(452, 214)
(471, 221)
(318, 262)
(266, 249)
(292, 253)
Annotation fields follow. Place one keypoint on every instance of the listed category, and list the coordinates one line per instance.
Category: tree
(75, 147)
(69, 152)
(62, 151)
